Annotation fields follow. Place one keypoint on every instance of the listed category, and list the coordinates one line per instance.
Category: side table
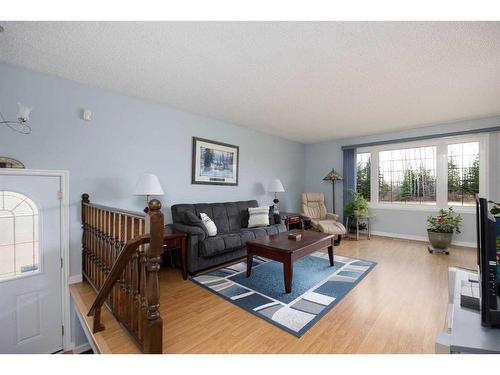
(358, 220)
(292, 220)
(173, 240)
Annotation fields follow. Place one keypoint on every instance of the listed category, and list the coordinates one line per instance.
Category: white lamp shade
(275, 186)
(148, 184)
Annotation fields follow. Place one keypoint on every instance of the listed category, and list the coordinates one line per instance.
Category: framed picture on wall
(214, 163)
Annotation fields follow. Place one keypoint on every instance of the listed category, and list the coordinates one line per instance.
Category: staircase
(119, 297)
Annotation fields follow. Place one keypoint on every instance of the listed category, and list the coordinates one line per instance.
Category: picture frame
(214, 163)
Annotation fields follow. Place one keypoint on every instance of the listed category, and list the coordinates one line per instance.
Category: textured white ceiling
(305, 81)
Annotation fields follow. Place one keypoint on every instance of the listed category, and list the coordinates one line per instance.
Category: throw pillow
(190, 218)
(209, 225)
(258, 216)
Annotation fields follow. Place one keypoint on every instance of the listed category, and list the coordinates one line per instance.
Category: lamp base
(276, 201)
(276, 209)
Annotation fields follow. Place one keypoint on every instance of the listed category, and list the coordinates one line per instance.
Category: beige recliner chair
(313, 207)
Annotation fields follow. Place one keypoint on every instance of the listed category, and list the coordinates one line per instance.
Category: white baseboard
(81, 348)
(418, 238)
(75, 279)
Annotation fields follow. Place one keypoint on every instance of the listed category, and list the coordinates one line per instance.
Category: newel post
(153, 325)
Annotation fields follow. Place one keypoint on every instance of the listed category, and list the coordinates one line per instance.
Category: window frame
(39, 270)
(441, 145)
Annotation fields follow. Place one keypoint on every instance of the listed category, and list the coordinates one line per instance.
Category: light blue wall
(130, 136)
(322, 157)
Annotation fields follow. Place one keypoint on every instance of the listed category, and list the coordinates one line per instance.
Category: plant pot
(440, 241)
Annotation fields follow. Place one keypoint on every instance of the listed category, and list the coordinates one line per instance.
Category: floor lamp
(333, 177)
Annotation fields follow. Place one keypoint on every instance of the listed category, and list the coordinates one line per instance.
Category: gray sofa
(231, 219)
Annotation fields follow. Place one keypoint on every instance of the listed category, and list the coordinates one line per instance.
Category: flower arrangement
(445, 222)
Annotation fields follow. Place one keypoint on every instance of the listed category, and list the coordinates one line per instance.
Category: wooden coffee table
(279, 248)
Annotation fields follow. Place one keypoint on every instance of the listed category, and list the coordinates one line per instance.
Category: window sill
(420, 207)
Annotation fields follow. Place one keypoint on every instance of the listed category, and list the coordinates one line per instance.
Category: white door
(30, 264)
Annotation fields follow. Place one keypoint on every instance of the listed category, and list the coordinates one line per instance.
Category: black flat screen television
(487, 264)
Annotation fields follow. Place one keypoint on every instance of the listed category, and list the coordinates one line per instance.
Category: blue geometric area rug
(316, 288)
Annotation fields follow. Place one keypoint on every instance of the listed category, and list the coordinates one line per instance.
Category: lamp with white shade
(275, 186)
(148, 184)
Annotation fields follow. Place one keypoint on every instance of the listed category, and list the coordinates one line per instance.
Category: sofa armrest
(190, 230)
(330, 216)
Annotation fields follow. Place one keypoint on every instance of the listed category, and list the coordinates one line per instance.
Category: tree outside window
(463, 173)
(408, 175)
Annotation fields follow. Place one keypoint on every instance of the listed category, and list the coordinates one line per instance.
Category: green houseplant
(440, 229)
(495, 210)
(358, 207)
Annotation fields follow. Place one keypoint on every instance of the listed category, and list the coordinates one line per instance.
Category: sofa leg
(336, 242)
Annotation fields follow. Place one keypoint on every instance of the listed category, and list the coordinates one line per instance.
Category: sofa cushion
(265, 231)
(233, 217)
(246, 235)
(220, 244)
(256, 232)
(280, 228)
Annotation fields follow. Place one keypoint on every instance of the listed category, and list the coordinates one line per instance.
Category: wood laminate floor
(398, 308)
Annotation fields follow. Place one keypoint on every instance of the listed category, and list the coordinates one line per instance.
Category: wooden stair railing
(121, 262)
(121, 252)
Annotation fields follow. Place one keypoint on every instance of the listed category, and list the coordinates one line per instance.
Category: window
(363, 171)
(408, 175)
(463, 173)
(427, 174)
(18, 235)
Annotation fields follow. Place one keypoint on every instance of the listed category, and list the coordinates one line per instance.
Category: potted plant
(495, 210)
(358, 207)
(440, 229)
